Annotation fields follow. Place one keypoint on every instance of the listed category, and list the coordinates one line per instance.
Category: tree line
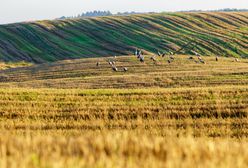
(108, 13)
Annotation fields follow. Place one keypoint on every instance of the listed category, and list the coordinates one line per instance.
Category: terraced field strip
(213, 33)
(83, 73)
(213, 111)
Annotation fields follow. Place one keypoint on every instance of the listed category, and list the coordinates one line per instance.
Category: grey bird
(202, 61)
(142, 59)
(153, 58)
(237, 60)
(136, 53)
(115, 68)
(139, 54)
(159, 54)
(216, 59)
(196, 53)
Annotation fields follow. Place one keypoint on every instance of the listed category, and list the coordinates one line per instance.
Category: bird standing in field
(98, 63)
(125, 69)
(216, 58)
(136, 52)
(110, 62)
(115, 68)
(153, 58)
(142, 58)
(196, 53)
(237, 60)
(202, 61)
(159, 54)
(171, 57)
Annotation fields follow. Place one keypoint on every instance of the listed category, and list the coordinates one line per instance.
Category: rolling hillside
(212, 33)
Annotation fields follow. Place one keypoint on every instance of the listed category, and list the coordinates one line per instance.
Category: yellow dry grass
(121, 150)
(169, 115)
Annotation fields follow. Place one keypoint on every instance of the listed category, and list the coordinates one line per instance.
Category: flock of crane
(112, 63)
(171, 57)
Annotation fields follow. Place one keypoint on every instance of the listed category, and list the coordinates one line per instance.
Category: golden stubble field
(75, 114)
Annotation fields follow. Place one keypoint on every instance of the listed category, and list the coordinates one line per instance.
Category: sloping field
(84, 74)
(76, 114)
(212, 33)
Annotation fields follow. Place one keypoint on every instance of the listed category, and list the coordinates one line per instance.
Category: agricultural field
(73, 113)
(211, 33)
(62, 105)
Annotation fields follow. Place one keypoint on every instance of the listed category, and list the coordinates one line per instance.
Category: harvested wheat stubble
(181, 114)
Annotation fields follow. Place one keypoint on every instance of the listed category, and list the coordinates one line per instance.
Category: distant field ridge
(212, 33)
